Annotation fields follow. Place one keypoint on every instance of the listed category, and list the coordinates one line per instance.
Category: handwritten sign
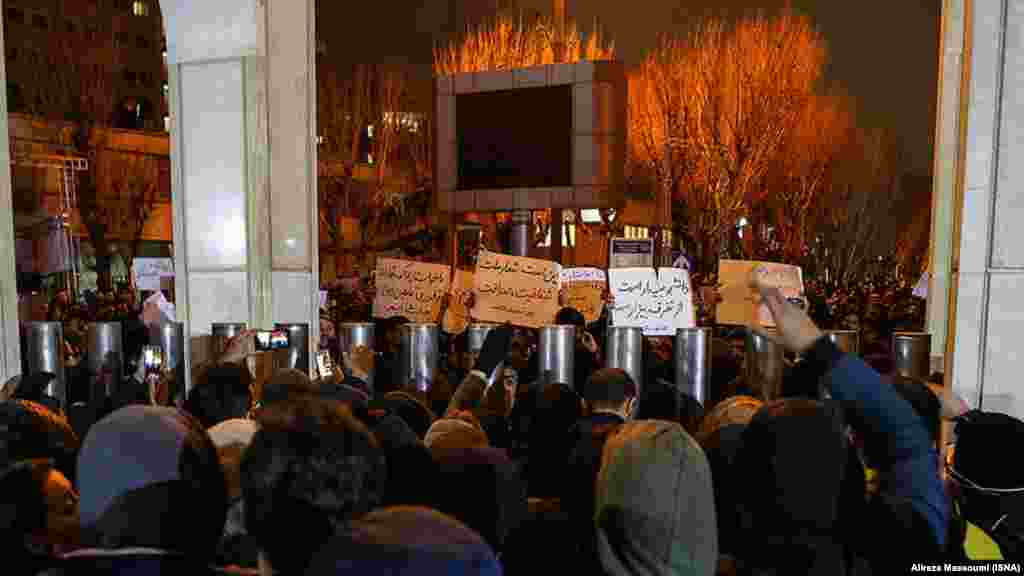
(584, 288)
(517, 290)
(147, 272)
(659, 301)
(410, 289)
(457, 317)
(741, 304)
(629, 253)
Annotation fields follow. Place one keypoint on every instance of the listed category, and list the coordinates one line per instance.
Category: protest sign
(147, 272)
(584, 288)
(457, 317)
(410, 289)
(741, 305)
(659, 301)
(521, 291)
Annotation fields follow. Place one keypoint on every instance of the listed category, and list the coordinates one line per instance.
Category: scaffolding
(69, 167)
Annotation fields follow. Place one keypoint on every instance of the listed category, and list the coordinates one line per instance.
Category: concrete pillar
(243, 124)
(10, 359)
(988, 265)
(946, 171)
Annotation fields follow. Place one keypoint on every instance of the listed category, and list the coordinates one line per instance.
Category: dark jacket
(908, 520)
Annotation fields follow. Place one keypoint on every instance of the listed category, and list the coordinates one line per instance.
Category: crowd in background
(494, 468)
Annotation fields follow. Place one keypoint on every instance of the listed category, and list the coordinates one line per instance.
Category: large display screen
(514, 138)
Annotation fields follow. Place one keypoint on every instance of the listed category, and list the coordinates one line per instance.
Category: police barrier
(558, 354)
(419, 355)
(42, 350)
(693, 364)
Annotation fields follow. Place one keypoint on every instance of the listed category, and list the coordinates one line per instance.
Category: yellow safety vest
(978, 545)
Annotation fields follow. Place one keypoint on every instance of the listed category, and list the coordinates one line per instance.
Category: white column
(946, 171)
(10, 359)
(989, 272)
(243, 127)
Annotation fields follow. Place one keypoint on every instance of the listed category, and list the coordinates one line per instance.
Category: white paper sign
(741, 305)
(659, 301)
(410, 289)
(147, 272)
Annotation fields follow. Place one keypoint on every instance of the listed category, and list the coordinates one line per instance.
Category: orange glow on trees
(505, 44)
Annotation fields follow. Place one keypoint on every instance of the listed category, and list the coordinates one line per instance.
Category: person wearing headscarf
(655, 512)
(153, 496)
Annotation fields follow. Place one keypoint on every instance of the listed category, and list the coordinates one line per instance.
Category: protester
(153, 496)
(311, 466)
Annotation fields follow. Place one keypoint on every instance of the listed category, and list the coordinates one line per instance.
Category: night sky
(884, 52)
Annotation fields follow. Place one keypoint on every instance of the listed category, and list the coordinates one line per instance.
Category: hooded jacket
(655, 512)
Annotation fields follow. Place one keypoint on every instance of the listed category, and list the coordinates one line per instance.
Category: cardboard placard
(457, 317)
(741, 305)
(410, 289)
(584, 289)
(659, 301)
(521, 291)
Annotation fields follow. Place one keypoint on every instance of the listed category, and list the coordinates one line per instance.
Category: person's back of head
(793, 459)
(287, 384)
(407, 539)
(655, 509)
(223, 393)
(610, 389)
(310, 465)
(150, 477)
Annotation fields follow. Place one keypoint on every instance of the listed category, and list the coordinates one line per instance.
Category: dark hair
(570, 317)
(222, 394)
(287, 384)
(609, 387)
(29, 430)
(311, 465)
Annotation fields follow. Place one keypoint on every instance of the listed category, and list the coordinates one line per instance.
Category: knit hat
(655, 509)
(149, 476)
(406, 540)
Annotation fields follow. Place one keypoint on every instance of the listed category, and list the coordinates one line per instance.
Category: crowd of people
(495, 468)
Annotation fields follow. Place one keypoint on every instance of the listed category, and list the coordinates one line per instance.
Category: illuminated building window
(140, 8)
(568, 237)
(167, 123)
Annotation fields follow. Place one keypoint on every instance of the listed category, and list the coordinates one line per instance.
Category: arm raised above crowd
(895, 435)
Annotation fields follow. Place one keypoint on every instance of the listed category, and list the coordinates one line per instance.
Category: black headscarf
(792, 464)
